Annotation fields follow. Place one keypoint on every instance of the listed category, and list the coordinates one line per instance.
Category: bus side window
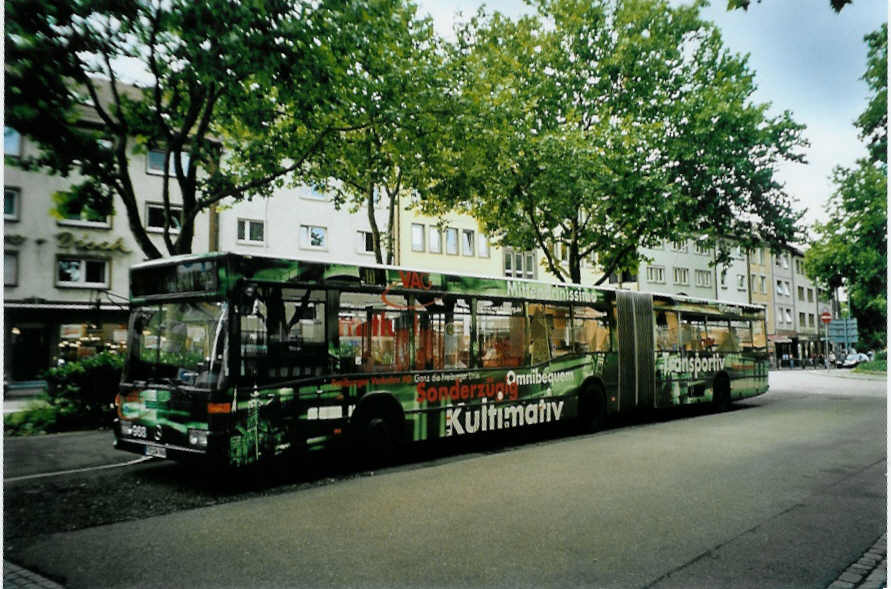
(374, 334)
(759, 339)
(721, 336)
(501, 333)
(590, 329)
(693, 334)
(667, 331)
(741, 332)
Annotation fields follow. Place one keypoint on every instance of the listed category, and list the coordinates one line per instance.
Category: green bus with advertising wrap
(234, 359)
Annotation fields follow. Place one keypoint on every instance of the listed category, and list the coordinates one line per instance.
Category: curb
(869, 572)
(16, 577)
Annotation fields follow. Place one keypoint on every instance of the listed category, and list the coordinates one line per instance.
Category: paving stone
(850, 577)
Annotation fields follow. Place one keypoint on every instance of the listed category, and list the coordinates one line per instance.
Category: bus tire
(377, 439)
(592, 408)
(721, 392)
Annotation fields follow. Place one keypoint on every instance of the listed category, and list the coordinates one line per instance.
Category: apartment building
(687, 267)
(301, 222)
(783, 308)
(65, 281)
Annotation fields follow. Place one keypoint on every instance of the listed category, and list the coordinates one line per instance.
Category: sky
(807, 59)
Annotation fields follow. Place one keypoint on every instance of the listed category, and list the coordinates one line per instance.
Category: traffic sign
(843, 331)
(825, 316)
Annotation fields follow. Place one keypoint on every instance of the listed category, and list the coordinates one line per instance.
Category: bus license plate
(155, 451)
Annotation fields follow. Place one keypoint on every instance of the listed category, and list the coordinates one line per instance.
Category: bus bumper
(215, 452)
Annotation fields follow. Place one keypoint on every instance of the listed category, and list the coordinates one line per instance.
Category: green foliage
(850, 248)
(36, 419)
(879, 364)
(79, 395)
(83, 392)
(873, 122)
(391, 106)
(601, 127)
(837, 5)
(256, 81)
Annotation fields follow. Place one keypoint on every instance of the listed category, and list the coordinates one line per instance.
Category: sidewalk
(870, 572)
(15, 577)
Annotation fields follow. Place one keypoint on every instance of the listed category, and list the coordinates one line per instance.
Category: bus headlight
(198, 438)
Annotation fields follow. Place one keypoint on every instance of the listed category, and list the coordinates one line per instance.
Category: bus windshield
(181, 343)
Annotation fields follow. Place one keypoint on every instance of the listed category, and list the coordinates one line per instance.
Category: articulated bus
(233, 359)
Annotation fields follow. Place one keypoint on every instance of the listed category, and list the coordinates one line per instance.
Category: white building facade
(66, 280)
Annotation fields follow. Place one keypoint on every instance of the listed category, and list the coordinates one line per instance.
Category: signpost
(826, 318)
(843, 331)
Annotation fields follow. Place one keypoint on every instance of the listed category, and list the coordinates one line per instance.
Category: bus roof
(534, 286)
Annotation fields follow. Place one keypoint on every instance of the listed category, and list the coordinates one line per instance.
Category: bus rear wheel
(592, 409)
(721, 390)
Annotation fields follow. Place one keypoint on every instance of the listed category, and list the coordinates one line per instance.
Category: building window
(365, 242)
(484, 246)
(435, 236)
(656, 274)
(754, 282)
(679, 246)
(764, 285)
(250, 231)
(10, 268)
(468, 242)
(800, 293)
(12, 142)
(154, 162)
(311, 193)
(810, 295)
(740, 282)
(703, 278)
(12, 198)
(80, 215)
(701, 249)
(452, 241)
(761, 256)
(789, 316)
(724, 278)
(681, 276)
(82, 272)
(801, 322)
(417, 237)
(785, 259)
(519, 264)
(810, 320)
(154, 217)
(313, 237)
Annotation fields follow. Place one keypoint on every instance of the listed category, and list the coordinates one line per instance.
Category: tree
(850, 248)
(837, 5)
(599, 128)
(238, 94)
(391, 106)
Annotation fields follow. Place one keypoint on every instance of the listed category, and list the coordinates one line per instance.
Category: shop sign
(71, 331)
(119, 336)
(66, 240)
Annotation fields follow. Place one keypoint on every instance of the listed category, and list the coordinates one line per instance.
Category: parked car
(853, 359)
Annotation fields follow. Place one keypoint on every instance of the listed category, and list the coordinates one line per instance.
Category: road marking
(76, 470)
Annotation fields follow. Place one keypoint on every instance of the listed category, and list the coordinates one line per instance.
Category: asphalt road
(786, 490)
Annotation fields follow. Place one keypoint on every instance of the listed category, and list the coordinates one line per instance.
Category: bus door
(634, 314)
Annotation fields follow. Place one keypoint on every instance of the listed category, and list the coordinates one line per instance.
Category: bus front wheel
(376, 440)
